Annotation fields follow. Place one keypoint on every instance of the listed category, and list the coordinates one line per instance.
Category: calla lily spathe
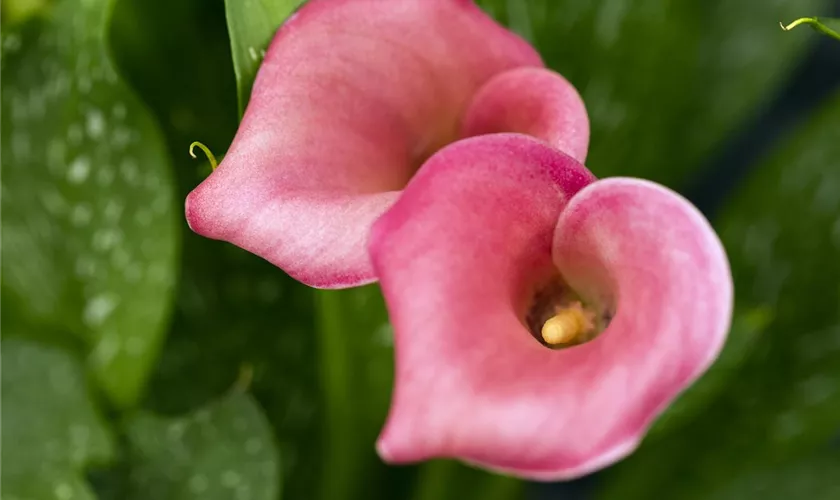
(351, 98)
(482, 235)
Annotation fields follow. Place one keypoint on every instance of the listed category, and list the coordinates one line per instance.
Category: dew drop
(95, 124)
(98, 309)
(79, 170)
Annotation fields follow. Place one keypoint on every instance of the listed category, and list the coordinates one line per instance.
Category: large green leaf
(233, 308)
(223, 451)
(15, 11)
(89, 236)
(51, 429)
(782, 234)
(251, 25)
(664, 82)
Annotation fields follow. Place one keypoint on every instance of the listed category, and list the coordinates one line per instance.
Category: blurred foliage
(664, 82)
(50, 424)
(814, 478)
(91, 190)
(17, 11)
(215, 453)
(89, 229)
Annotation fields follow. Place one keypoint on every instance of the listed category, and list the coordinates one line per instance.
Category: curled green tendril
(213, 162)
(815, 23)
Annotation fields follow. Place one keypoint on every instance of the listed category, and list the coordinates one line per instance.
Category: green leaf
(814, 478)
(47, 484)
(251, 26)
(236, 309)
(826, 26)
(232, 308)
(89, 234)
(51, 430)
(782, 235)
(223, 451)
(665, 83)
(16, 11)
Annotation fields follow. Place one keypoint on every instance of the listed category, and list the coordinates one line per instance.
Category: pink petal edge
(532, 101)
(455, 255)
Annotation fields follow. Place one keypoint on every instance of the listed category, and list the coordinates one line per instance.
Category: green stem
(815, 24)
(435, 480)
(451, 480)
(340, 463)
(501, 488)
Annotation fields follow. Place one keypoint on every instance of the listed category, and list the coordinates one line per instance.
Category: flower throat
(558, 318)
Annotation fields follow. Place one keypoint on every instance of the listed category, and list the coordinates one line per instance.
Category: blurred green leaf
(89, 237)
(16, 11)
(232, 307)
(664, 82)
(451, 480)
(251, 26)
(782, 235)
(237, 309)
(51, 429)
(223, 451)
(814, 478)
(826, 26)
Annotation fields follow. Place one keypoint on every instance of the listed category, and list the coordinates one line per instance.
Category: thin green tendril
(815, 24)
(213, 162)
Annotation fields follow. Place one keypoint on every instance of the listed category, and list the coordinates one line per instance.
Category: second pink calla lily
(352, 97)
(502, 249)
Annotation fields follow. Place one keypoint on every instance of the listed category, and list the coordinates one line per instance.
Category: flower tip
(194, 214)
(383, 450)
(404, 440)
(389, 451)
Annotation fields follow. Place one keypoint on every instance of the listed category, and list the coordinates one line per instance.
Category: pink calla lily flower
(352, 97)
(501, 246)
